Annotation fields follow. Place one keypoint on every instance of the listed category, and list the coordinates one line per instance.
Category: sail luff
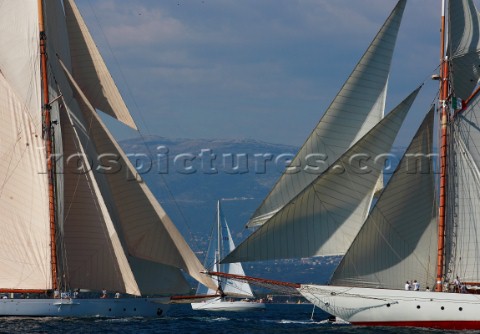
(358, 106)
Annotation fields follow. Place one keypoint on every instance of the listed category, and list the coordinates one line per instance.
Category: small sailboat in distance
(230, 291)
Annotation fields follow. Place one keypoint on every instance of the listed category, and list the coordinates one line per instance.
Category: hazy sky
(261, 69)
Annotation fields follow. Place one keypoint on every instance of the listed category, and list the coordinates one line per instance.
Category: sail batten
(362, 97)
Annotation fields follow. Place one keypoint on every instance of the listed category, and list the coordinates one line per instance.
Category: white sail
(358, 106)
(20, 56)
(464, 184)
(25, 251)
(221, 244)
(464, 45)
(327, 215)
(398, 241)
(24, 219)
(89, 69)
(231, 287)
(145, 229)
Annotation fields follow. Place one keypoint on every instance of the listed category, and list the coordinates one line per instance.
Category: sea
(277, 318)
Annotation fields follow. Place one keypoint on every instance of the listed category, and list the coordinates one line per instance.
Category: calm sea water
(277, 318)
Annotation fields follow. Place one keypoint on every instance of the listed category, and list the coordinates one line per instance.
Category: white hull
(219, 304)
(383, 307)
(122, 307)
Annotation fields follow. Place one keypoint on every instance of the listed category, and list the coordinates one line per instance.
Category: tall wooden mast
(48, 143)
(444, 89)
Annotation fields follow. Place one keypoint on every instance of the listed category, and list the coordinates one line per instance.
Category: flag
(457, 103)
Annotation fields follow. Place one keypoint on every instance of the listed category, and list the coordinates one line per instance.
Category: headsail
(90, 71)
(327, 215)
(221, 244)
(230, 287)
(145, 229)
(398, 241)
(355, 110)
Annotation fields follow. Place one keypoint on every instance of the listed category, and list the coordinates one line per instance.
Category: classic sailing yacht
(420, 228)
(221, 244)
(74, 212)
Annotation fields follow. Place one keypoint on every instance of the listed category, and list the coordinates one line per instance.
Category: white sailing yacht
(423, 226)
(221, 244)
(74, 213)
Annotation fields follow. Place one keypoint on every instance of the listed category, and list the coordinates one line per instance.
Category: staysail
(327, 215)
(358, 106)
(90, 71)
(398, 241)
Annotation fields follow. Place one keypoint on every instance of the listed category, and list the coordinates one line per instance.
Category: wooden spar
(48, 143)
(254, 279)
(444, 88)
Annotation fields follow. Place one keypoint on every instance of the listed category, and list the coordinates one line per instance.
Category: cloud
(251, 62)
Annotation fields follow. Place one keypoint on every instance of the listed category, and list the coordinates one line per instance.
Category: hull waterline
(384, 307)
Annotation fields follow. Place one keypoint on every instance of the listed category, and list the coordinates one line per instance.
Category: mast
(48, 142)
(444, 88)
(219, 241)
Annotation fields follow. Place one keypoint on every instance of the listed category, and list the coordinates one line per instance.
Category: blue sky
(261, 69)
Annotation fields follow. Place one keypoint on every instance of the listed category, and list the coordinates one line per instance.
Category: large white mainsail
(25, 252)
(327, 215)
(358, 106)
(398, 241)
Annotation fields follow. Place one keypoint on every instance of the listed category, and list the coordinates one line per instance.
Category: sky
(256, 69)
